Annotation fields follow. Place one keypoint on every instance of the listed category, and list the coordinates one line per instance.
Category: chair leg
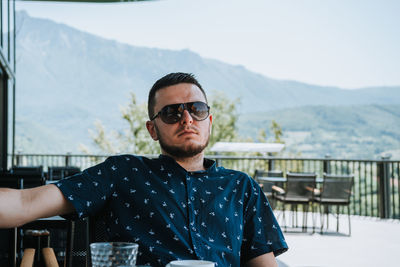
(284, 216)
(313, 217)
(273, 202)
(326, 213)
(304, 223)
(70, 244)
(276, 208)
(49, 257)
(305, 217)
(337, 218)
(348, 214)
(28, 258)
(293, 214)
(327, 216)
(321, 216)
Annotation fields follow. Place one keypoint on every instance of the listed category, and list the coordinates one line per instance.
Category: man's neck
(195, 163)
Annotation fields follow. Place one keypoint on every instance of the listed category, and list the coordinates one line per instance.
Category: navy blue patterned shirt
(218, 214)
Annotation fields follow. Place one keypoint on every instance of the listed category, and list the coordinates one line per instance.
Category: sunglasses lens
(198, 110)
(173, 113)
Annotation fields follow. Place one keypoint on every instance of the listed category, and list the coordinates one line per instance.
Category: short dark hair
(168, 80)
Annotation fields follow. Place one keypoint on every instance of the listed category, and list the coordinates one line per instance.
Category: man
(178, 206)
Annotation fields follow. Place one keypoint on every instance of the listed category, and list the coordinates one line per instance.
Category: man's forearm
(265, 260)
(18, 207)
(11, 208)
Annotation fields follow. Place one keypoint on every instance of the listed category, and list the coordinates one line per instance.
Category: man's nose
(186, 118)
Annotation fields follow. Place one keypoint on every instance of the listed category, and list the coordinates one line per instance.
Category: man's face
(187, 137)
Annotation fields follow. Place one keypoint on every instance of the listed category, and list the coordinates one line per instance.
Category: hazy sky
(346, 43)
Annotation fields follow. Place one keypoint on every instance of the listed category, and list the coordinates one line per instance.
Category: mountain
(362, 131)
(67, 78)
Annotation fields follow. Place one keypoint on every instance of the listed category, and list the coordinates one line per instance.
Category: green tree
(133, 139)
(225, 117)
(277, 131)
(137, 135)
(262, 136)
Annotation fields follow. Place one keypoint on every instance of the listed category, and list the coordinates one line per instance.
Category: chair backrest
(97, 229)
(337, 187)
(29, 170)
(10, 181)
(264, 173)
(81, 234)
(267, 186)
(300, 184)
(76, 248)
(31, 176)
(58, 173)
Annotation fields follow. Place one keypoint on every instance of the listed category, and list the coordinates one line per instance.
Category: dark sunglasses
(171, 114)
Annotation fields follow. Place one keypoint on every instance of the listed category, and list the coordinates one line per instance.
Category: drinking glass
(190, 263)
(113, 254)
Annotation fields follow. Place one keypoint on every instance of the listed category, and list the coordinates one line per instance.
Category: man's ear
(151, 129)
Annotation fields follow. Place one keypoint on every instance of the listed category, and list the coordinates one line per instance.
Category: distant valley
(359, 131)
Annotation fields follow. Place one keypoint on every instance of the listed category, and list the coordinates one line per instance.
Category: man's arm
(265, 260)
(18, 207)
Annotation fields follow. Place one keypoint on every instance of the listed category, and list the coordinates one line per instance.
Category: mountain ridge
(120, 62)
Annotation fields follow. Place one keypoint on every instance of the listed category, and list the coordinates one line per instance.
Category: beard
(187, 151)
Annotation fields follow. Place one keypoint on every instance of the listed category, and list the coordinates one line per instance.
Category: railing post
(18, 158)
(327, 164)
(383, 171)
(217, 160)
(271, 162)
(67, 158)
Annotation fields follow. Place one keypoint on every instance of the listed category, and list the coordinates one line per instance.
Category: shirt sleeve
(262, 233)
(89, 190)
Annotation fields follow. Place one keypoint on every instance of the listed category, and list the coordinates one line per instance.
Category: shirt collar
(209, 164)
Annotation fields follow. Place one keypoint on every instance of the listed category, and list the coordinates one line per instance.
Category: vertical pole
(383, 171)
(327, 164)
(271, 162)
(67, 159)
(18, 159)
(3, 120)
(218, 160)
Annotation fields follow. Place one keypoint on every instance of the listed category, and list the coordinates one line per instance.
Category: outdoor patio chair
(37, 249)
(31, 176)
(298, 190)
(335, 191)
(58, 173)
(80, 234)
(267, 185)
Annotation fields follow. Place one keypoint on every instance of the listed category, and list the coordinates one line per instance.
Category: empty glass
(113, 254)
(190, 263)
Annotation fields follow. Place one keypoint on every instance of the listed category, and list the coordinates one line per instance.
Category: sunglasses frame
(185, 107)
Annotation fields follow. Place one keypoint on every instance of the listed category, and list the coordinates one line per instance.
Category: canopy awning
(85, 1)
(247, 147)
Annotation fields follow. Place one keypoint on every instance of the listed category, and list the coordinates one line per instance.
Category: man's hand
(265, 260)
(18, 207)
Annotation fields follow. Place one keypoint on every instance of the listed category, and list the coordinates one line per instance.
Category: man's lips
(184, 132)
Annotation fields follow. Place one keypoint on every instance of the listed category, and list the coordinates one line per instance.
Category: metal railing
(376, 190)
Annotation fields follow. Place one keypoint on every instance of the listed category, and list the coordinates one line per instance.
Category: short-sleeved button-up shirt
(218, 214)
